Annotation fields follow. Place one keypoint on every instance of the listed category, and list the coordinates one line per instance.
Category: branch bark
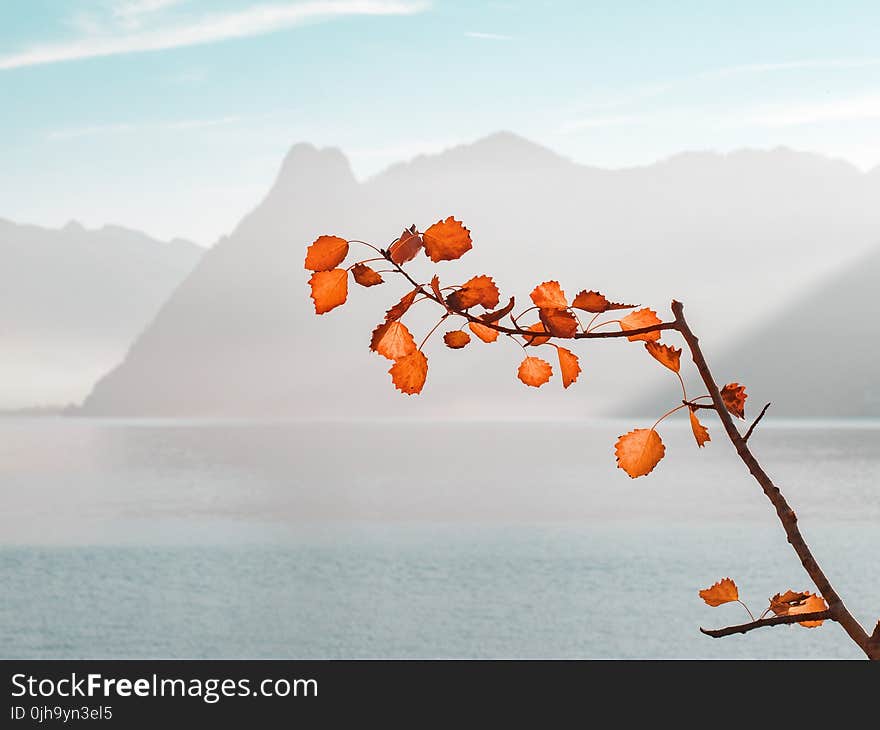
(836, 608)
(774, 621)
(755, 423)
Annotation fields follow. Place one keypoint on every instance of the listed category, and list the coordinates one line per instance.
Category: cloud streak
(252, 21)
(837, 110)
(488, 36)
(105, 129)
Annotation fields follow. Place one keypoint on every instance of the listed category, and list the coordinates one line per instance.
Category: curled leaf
(669, 357)
(435, 287)
(498, 313)
(392, 340)
(399, 309)
(405, 248)
(701, 433)
(410, 372)
(782, 603)
(447, 240)
(535, 341)
(811, 604)
(724, 591)
(569, 366)
(326, 253)
(639, 451)
(549, 295)
(486, 334)
(593, 301)
(456, 339)
(534, 371)
(559, 322)
(365, 276)
(639, 319)
(329, 289)
(478, 290)
(734, 396)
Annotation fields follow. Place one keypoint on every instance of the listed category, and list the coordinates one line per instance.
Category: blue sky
(172, 116)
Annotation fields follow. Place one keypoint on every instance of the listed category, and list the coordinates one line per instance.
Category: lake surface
(152, 539)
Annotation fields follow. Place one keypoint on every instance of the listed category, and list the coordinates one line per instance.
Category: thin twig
(757, 420)
(775, 621)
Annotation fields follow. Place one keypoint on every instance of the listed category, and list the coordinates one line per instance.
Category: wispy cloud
(252, 21)
(107, 129)
(598, 122)
(488, 36)
(834, 110)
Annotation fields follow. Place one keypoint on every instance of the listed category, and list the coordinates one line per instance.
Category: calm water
(404, 540)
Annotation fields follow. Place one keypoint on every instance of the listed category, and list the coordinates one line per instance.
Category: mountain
(71, 302)
(731, 235)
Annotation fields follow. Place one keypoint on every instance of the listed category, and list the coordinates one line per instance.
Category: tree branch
(774, 621)
(785, 513)
(756, 422)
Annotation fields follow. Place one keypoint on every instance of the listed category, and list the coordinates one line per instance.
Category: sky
(172, 116)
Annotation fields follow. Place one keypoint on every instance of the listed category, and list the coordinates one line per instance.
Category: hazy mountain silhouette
(732, 235)
(71, 302)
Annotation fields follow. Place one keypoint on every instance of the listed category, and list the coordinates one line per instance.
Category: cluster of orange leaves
(790, 603)
(637, 452)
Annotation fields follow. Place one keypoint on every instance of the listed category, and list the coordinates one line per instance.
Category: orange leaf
(456, 339)
(498, 313)
(447, 240)
(559, 322)
(593, 301)
(664, 354)
(549, 295)
(782, 603)
(326, 253)
(478, 290)
(405, 248)
(568, 366)
(639, 319)
(486, 334)
(410, 372)
(365, 276)
(329, 289)
(535, 341)
(724, 591)
(811, 604)
(701, 433)
(639, 451)
(399, 309)
(392, 340)
(435, 287)
(734, 396)
(534, 371)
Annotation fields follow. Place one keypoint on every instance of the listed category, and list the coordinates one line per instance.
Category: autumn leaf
(535, 341)
(365, 276)
(478, 290)
(701, 433)
(392, 340)
(549, 295)
(456, 339)
(559, 322)
(724, 591)
(435, 287)
(596, 303)
(811, 604)
(639, 319)
(399, 309)
(405, 248)
(569, 366)
(534, 371)
(447, 240)
(734, 396)
(486, 334)
(668, 356)
(639, 451)
(329, 289)
(326, 253)
(410, 372)
(782, 603)
(498, 313)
